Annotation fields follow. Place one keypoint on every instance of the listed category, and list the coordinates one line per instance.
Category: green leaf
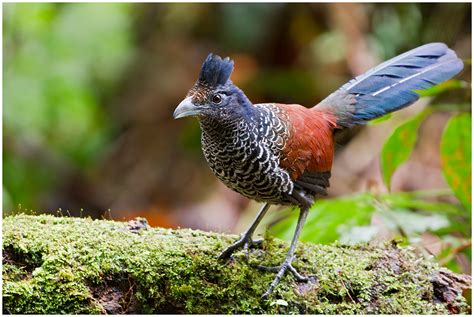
(427, 201)
(444, 86)
(456, 156)
(413, 223)
(399, 145)
(380, 119)
(328, 219)
(452, 107)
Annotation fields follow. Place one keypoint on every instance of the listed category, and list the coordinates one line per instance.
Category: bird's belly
(251, 170)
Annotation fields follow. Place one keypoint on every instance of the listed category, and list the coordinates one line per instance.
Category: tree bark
(59, 265)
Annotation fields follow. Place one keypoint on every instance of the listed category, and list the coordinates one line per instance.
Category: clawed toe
(246, 242)
(243, 243)
(276, 269)
(280, 270)
(297, 275)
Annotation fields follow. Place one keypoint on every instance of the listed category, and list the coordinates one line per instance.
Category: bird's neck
(218, 124)
(225, 123)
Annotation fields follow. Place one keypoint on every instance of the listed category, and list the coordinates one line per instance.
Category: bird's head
(214, 93)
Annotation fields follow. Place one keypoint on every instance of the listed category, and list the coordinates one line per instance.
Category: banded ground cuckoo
(282, 153)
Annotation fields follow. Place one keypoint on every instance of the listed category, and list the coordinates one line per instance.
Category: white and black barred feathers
(244, 152)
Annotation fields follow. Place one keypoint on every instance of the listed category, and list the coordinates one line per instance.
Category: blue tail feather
(390, 86)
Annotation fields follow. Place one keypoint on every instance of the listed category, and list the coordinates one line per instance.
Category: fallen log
(64, 265)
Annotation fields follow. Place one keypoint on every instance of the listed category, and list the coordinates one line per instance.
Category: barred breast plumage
(244, 152)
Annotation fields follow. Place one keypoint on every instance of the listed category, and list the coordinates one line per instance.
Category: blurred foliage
(408, 213)
(456, 156)
(399, 145)
(447, 85)
(52, 72)
(330, 219)
(250, 33)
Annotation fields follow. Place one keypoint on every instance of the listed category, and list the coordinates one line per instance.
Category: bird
(282, 154)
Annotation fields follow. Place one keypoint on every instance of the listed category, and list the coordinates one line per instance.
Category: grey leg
(246, 238)
(286, 265)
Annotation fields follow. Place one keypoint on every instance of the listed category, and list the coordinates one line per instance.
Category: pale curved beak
(185, 109)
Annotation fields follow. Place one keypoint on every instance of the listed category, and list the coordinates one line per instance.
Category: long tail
(390, 86)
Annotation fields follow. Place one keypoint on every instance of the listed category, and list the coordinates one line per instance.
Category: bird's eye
(216, 99)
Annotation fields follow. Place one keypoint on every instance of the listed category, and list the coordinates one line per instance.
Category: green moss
(71, 265)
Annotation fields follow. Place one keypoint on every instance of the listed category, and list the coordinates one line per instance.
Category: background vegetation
(89, 90)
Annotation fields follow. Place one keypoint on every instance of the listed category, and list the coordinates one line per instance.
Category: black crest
(215, 71)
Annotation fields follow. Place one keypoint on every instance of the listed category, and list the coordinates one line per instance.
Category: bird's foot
(245, 242)
(281, 270)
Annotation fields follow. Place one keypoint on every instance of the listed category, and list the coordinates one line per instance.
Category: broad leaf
(456, 156)
(445, 86)
(422, 200)
(399, 145)
(413, 223)
(327, 219)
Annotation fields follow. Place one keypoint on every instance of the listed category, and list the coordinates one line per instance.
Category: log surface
(63, 265)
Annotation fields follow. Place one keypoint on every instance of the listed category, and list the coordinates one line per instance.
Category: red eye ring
(216, 99)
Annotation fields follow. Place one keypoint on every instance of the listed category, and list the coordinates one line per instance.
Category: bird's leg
(286, 265)
(246, 238)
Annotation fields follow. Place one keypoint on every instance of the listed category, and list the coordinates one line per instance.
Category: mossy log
(54, 265)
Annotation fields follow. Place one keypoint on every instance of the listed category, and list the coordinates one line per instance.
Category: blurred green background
(89, 91)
